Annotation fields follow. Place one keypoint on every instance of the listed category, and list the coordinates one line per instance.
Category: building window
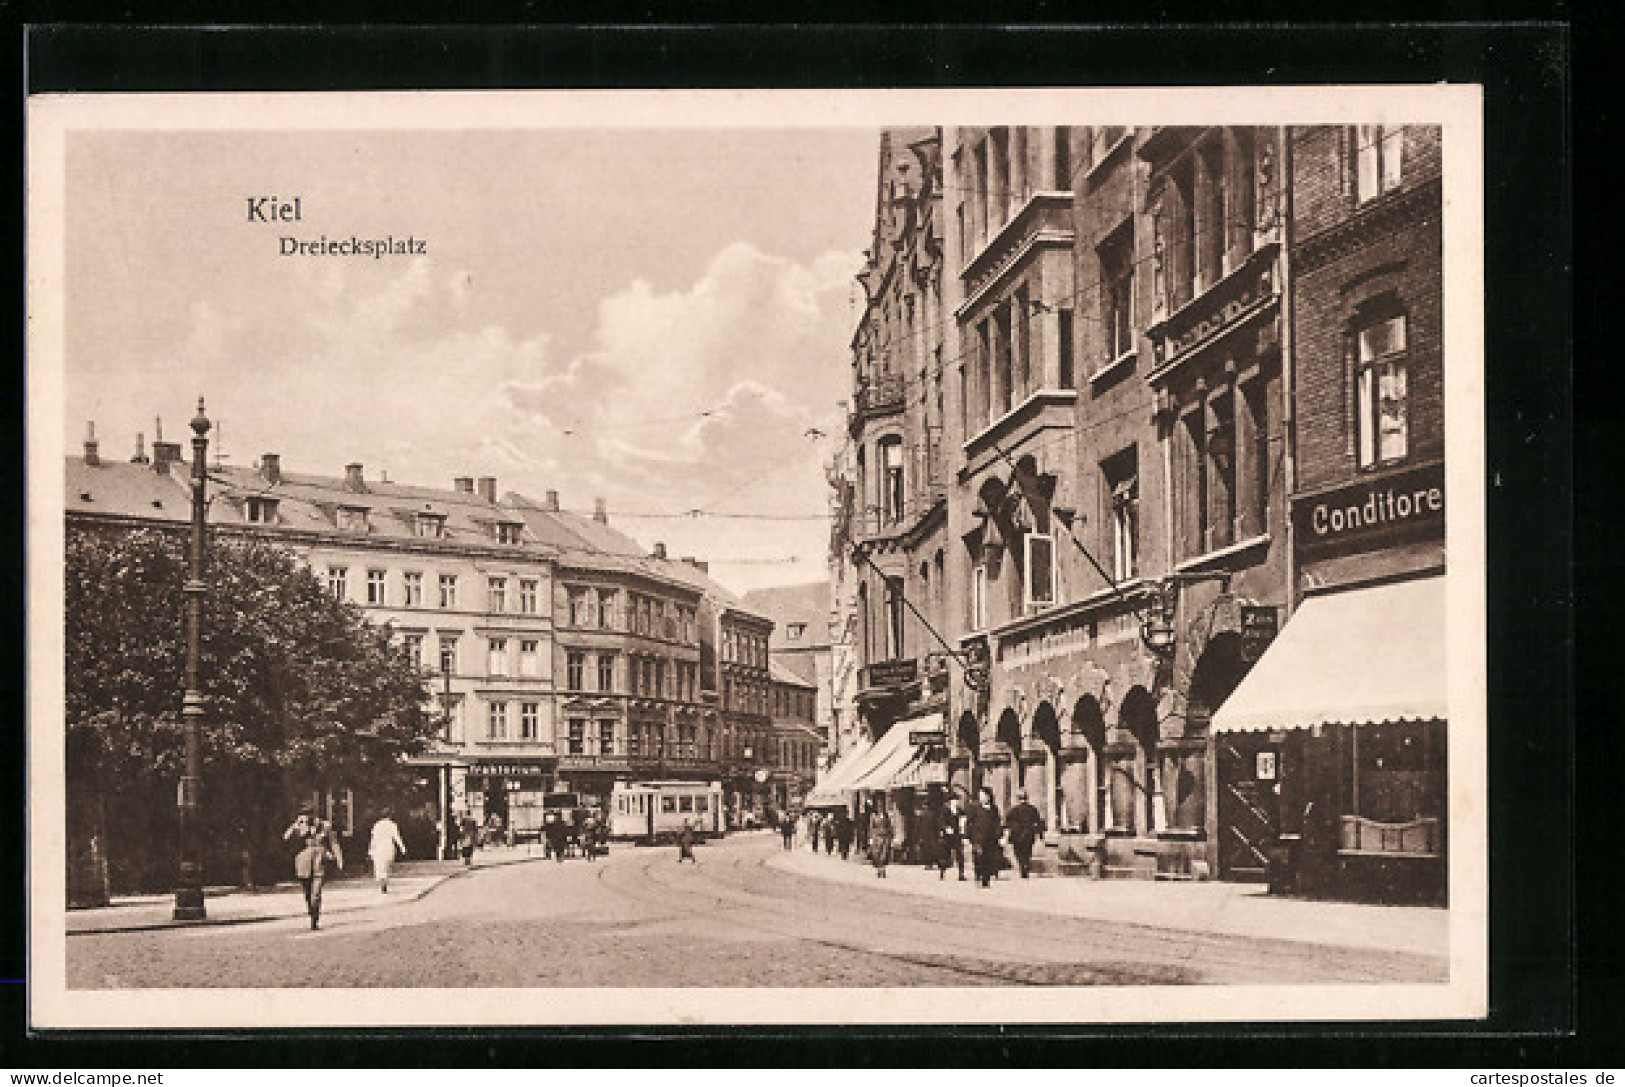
(581, 607)
(508, 532)
(1381, 419)
(413, 644)
(1116, 256)
(575, 664)
(578, 736)
(1394, 788)
(530, 720)
(1122, 478)
(978, 597)
(412, 583)
(794, 631)
(497, 657)
(448, 590)
(606, 608)
(1063, 332)
(352, 519)
(448, 654)
(1040, 572)
(1003, 365)
(894, 618)
(1220, 467)
(430, 526)
(606, 672)
(892, 495)
(1378, 152)
(527, 595)
(606, 737)
(261, 511)
(375, 586)
(529, 658)
(337, 581)
(497, 594)
(1103, 139)
(497, 726)
(659, 690)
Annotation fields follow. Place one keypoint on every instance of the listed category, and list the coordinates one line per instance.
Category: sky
(655, 317)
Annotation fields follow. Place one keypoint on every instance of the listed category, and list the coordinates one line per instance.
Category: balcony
(876, 397)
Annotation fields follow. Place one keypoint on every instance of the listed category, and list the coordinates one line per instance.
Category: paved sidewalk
(355, 889)
(1237, 909)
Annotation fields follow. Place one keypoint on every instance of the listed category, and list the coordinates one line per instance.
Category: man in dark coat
(952, 849)
(557, 833)
(1024, 824)
(685, 843)
(928, 835)
(982, 827)
(843, 833)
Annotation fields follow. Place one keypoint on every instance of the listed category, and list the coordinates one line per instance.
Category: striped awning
(1361, 656)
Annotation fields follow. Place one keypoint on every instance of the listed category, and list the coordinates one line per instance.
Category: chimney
(464, 484)
(659, 551)
(488, 489)
(600, 512)
(702, 567)
(552, 503)
(164, 454)
(93, 455)
(140, 449)
(271, 467)
(352, 478)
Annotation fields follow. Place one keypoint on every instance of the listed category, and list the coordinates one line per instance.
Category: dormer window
(260, 511)
(509, 532)
(352, 518)
(796, 630)
(431, 526)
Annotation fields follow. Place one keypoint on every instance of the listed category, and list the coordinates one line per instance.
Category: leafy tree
(302, 693)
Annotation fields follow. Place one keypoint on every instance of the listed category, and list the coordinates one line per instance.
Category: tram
(652, 811)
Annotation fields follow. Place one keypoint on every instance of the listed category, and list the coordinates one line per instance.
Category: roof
(1361, 656)
(790, 606)
(778, 673)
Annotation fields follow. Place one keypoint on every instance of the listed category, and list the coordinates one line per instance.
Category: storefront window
(1395, 782)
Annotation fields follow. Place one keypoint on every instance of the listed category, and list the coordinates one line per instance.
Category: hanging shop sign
(893, 673)
(928, 737)
(508, 769)
(1373, 513)
(1259, 625)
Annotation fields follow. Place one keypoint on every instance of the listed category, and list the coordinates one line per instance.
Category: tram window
(668, 804)
(685, 803)
(700, 803)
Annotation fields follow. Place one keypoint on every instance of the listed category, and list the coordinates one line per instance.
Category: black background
(1536, 838)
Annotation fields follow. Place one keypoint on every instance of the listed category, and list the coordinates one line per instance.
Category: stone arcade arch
(1048, 731)
(1009, 734)
(1140, 796)
(1088, 785)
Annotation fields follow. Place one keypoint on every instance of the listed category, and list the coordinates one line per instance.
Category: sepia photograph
(540, 558)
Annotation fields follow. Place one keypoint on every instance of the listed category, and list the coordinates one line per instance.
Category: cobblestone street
(736, 918)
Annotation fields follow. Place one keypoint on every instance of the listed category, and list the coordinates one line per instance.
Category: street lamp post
(448, 836)
(189, 885)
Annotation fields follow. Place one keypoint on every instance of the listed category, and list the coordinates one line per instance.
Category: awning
(893, 753)
(827, 791)
(1357, 657)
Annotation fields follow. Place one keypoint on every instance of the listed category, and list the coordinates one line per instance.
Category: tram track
(890, 924)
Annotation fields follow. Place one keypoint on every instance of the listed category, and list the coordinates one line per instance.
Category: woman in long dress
(383, 847)
(880, 841)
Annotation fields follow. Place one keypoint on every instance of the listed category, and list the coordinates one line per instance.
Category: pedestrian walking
(880, 841)
(1024, 824)
(843, 833)
(382, 846)
(928, 834)
(557, 833)
(685, 843)
(952, 849)
(468, 838)
(787, 830)
(829, 834)
(982, 827)
(318, 844)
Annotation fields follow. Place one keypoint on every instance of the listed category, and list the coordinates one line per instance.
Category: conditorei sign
(1373, 513)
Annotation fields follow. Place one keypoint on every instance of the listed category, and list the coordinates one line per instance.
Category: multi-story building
(560, 654)
(1117, 415)
(796, 735)
(1341, 729)
(898, 522)
(802, 644)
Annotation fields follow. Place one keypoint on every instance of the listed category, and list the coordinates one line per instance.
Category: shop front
(1337, 743)
(504, 793)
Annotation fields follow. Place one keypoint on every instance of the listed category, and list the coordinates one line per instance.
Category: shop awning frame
(1359, 656)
